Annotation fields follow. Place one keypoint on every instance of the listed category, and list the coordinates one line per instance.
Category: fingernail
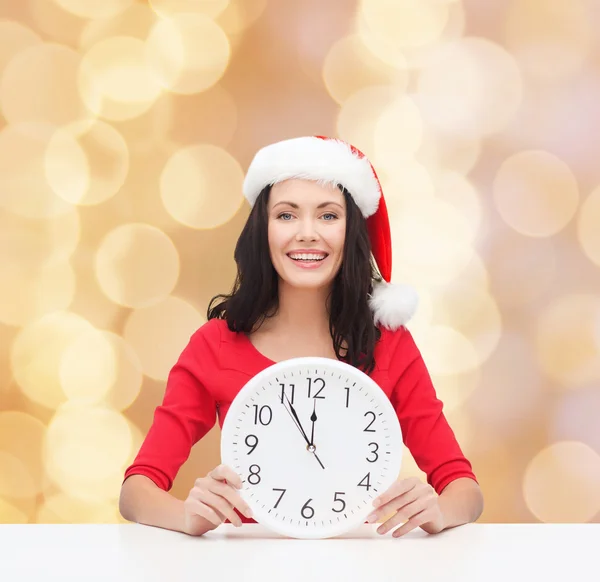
(376, 502)
(381, 530)
(371, 518)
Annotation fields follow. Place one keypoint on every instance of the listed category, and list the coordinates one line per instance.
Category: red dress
(217, 363)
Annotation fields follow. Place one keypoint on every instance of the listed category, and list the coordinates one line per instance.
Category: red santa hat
(334, 161)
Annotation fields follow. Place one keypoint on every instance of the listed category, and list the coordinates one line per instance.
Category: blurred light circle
(449, 351)
(86, 163)
(456, 189)
(530, 261)
(188, 53)
(95, 8)
(349, 66)
(63, 508)
(158, 334)
(53, 22)
(190, 179)
(16, 37)
(240, 15)
(536, 193)
(399, 131)
(455, 389)
(101, 368)
(550, 38)
(562, 483)
(15, 478)
(443, 153)
(565, 340)
(40, 85)
(405, 23)
(136, 21)
(21, 439)
(494, 88)
(431, 242)
(588, 226)
(36, 355)
(359, 114)
(115, 81)
(137, 265)
(212, 8)
(86, 449)
(25, 190)
(474, 313)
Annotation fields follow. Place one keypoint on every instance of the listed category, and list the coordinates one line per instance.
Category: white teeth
(306, 256)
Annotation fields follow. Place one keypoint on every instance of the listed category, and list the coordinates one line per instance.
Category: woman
(307, 285)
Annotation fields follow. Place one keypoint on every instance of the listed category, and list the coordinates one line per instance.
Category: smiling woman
(314, 270)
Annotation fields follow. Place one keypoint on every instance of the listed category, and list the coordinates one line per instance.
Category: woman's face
(307, 228)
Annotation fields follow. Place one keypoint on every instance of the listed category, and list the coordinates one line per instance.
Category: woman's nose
(307, 229)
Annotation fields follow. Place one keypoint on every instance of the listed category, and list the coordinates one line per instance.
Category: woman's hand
(213, 499)
(413, 502)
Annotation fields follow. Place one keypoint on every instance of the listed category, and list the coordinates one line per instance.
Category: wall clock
(314, 440)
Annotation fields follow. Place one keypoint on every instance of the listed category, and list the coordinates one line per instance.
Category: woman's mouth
(308, 260)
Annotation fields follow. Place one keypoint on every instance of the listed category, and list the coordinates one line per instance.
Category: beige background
(125, 131)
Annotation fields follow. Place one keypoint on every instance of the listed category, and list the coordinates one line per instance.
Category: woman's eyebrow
(294, 205)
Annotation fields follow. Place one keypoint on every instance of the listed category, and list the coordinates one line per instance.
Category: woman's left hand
(413, 502)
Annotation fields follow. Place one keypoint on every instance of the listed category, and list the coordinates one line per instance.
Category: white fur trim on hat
(328, 161)
(392, 304)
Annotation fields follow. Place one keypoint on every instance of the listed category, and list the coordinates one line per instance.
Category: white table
(132, 552)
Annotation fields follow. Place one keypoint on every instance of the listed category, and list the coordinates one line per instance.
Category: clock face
(314, 440)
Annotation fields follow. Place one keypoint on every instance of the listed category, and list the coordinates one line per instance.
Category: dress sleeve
(425, 430)
(187, 413)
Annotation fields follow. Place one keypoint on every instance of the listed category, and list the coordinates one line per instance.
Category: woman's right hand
(213, 499)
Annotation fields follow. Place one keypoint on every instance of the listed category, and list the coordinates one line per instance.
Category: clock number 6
(306, 506)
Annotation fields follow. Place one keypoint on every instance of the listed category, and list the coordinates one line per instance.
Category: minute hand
(293, 410)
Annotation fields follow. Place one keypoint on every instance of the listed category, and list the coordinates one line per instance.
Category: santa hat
(334, 161)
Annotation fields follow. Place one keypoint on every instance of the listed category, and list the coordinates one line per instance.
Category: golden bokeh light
(101, 368)
(565, 340)
(240, 15)
(449, 352)
(473, 88)
(211, 8)
(474, 313)
(536, 193)
(15, 38)
(455, 188)
(405, 23)
(137, 265)
(398, 131)
(136, 21)
(86, 449)
(86, 162)
(11, 514)
(562, 483)
(115, 80)
(349, 67)
(63, 508)
(21, 442)
(36, 355)
(588, 226)
(359, 114)
(550, 38)
(431, 243)
(187, 53)
(25, 190)
(56, 24)
(454, 390)
(97, 9)
(201, 186)
(158, 334)
(40, 85)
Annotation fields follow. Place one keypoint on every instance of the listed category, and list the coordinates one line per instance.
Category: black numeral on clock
(283, 393)
(282, 494)
(374, 453)
(310, 381)
(264, 415)
(306, 508)
(366, 481)
(337, 499)
(252, 446)
(369, 429)
(347, 389)
(254, 472)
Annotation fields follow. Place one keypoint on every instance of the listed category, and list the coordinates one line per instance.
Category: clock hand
(297, 422)
(313, 418)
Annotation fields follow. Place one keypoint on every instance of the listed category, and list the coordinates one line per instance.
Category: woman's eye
(330, 214)
(284, 214)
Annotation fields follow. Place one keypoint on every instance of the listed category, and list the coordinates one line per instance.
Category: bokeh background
(125, 130)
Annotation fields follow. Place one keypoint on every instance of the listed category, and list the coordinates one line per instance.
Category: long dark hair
(255, 293)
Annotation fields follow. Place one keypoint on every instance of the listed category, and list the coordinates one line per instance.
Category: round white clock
(314, 441)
